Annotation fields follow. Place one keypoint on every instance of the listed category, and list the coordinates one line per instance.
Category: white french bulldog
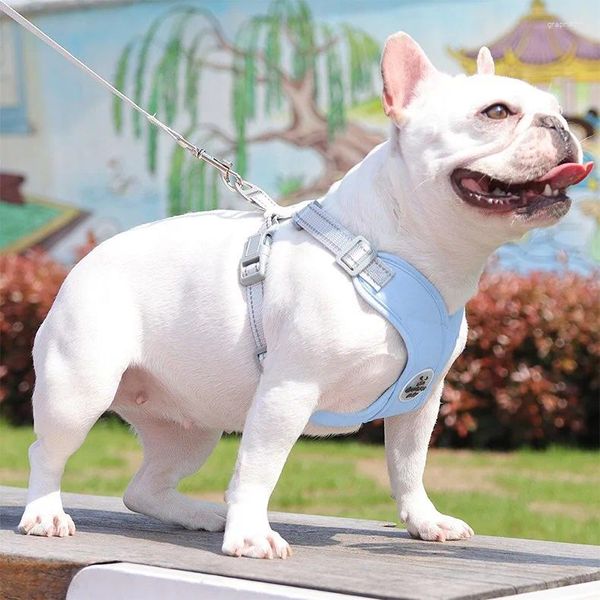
(153, 323)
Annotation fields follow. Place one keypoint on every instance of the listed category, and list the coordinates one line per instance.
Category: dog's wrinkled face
(528, 156)
(497, 147)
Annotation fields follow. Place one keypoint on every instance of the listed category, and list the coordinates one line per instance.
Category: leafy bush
(530, 373)
(28, 286)
(528, 376)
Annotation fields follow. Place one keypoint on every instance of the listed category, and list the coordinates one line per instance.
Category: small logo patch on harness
(416, 385)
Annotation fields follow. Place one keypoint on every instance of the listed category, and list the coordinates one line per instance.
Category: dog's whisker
(416, 187)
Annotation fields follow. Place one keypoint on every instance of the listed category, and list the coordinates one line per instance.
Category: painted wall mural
(287, 89)
(280, 63)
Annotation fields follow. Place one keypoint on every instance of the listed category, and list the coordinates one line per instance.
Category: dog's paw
(256, 545)
(204, 520)
(172, 507)
(57, 524)
(438, 528)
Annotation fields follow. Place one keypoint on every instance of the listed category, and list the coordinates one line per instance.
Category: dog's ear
(403, 66)
(485, 62)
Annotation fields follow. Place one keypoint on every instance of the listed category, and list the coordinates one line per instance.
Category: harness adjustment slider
(355, 256)
(253, 264)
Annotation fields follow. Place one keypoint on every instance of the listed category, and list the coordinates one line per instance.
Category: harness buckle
(253, 264)
(355, 256)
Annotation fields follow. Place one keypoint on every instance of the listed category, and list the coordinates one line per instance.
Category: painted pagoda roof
(539, 48)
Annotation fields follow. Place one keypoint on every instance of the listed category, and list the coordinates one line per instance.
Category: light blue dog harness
(394, 288)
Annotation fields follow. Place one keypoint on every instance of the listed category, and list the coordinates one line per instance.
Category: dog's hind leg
(172, 452)
(74, 386)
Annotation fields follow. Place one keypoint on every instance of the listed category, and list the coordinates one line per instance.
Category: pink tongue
(471, 184)
(565, 175)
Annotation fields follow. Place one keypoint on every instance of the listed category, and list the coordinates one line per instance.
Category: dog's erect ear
(403, 66)
(485, 62)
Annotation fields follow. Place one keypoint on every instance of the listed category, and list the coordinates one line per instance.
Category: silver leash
(233, 180)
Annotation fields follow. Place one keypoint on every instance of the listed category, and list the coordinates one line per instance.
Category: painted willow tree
(282, 62)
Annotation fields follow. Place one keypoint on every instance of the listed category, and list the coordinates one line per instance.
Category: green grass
(553, 495)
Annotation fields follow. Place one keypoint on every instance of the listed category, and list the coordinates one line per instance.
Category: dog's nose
(566, 149)
(548, 121)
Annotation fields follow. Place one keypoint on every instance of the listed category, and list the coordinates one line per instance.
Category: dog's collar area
(393, 287)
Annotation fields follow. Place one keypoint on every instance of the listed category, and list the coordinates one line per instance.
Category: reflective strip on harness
(353, 253)
(253, 270)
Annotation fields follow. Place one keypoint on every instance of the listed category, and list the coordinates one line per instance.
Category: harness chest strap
(253, 269)
(352, 252)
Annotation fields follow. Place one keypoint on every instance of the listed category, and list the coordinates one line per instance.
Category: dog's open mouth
(482, 191)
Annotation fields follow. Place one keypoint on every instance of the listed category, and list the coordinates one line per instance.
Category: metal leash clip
(253, 264)
(255, 195)
(232, 179)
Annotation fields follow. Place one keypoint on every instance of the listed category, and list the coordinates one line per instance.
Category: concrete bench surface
(348, 556)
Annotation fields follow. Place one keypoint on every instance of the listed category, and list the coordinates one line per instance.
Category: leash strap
(352, 252)
(234, 181)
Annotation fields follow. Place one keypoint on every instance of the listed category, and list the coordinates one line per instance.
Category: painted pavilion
(545, 51)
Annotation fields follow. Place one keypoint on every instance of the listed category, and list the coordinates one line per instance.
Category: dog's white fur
(153, 323)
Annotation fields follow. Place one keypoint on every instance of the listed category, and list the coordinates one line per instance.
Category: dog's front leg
(279, 413)
(406, 441)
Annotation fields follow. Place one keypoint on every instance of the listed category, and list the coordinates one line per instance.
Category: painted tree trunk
(309, 129)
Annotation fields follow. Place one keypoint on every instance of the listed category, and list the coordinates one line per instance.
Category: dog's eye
(497, 111)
